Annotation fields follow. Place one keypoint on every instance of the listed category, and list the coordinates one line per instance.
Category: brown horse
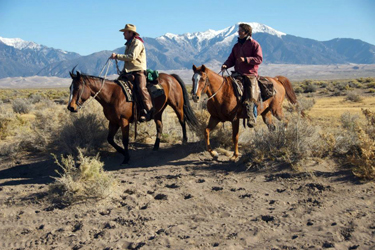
(119, 111)
(223, 105)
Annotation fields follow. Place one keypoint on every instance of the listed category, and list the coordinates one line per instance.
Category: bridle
(207, 84)
(80, 105)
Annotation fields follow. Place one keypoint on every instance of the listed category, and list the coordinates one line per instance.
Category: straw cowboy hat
(130, 27)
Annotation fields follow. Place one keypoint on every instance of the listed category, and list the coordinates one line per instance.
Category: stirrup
(143, 117)
(150, 114)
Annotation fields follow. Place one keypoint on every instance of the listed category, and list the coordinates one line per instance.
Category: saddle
(126, 82)
(265, 85)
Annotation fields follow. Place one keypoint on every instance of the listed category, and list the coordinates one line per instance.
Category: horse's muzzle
(195, 98)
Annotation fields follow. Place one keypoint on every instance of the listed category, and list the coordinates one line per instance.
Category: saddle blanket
(154, 88)
(127, 89)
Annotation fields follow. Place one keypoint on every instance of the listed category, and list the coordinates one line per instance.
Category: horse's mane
(86, 76)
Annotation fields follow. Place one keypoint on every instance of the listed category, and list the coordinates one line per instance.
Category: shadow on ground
(39, 172)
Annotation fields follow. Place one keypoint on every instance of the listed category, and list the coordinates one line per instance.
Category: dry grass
(327, 111)
(334, 126)
(81, 180)
(363, 158)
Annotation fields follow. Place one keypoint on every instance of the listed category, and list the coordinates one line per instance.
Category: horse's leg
(180, 115)
(113, 127)
(235, 130)
(211, 125)
(159, 130)
(279, 114)
(267, 118)
(125, 139)
(184, 134)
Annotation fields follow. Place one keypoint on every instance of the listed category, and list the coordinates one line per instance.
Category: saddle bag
(153, 86)
(155, 90)
(266, 88)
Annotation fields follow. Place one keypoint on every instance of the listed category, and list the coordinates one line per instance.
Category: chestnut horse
(223, 105)
(119, 111)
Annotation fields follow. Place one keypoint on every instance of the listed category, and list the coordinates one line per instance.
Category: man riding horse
(246, 56)
(135, 66)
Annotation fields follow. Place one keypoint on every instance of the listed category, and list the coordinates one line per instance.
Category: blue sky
(88, 26)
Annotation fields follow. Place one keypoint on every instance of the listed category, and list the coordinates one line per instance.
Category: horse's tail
(190, 117)
(290, 94)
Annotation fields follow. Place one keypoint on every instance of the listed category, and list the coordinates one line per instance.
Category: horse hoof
(125, 162)
(214, 154)
(233, 158)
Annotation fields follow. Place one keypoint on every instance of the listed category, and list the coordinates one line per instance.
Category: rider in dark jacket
(246, 56)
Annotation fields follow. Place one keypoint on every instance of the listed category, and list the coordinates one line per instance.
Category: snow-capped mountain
(23, 58)
(171, 52)
(226, 34)
(18, 43)
(223, 37)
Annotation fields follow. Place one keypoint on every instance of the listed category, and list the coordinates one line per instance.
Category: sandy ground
(179, 198)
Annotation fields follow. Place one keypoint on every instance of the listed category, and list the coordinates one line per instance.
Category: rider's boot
(251, 120)
(252, 103)
(146, 98)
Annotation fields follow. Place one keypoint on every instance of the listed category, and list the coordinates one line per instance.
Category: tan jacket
(134, 57)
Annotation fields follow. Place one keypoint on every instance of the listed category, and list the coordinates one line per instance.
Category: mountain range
(172, 52)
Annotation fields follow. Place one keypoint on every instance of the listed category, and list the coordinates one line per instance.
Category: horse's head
(79, 92)
(200, 82)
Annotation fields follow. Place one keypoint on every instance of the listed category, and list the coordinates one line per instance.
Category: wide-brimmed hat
(130, 27)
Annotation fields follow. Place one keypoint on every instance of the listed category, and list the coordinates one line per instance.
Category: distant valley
(293, 72)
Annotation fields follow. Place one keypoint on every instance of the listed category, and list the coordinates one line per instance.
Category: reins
(108, 63)
(207, 84)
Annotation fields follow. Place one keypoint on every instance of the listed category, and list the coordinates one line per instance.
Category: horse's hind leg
(211, 125)
(267, 118)
(125, 139)
(159, 130)
(279, 114)
(184, 134)
(235, 131)
(180, 115)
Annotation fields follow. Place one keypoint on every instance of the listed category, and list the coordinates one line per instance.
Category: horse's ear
(78, 74)
(203, 67)
(194, 68)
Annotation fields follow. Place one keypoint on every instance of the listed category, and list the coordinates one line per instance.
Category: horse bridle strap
(207, 84)
(80, 95)
(101, 87)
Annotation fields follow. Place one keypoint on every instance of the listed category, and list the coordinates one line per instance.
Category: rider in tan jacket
(135, 64)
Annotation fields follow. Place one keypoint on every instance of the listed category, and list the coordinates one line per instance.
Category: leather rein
(207, 84)
(80, 106)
